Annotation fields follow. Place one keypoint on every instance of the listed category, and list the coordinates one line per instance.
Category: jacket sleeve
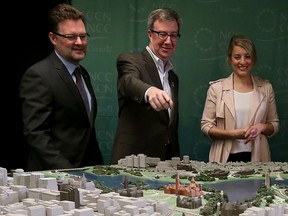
(209, 113)
(272, 115)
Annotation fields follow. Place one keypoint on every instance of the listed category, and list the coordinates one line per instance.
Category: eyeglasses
(164, 35)
(72, 37)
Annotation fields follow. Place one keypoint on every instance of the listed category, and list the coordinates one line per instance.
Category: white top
(242, 102)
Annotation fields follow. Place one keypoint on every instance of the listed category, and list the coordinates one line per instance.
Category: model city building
(33, 194)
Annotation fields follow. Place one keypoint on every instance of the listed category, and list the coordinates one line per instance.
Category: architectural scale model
(192, 189)
(58, 192)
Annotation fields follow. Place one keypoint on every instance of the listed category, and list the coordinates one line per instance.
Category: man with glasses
(148, 93)
(58, 103)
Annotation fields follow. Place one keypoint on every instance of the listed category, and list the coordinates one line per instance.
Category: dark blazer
(56, 125)
(140, 128)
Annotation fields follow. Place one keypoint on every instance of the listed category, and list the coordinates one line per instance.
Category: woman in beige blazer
(240, 110)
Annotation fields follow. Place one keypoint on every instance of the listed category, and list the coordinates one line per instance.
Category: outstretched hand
(159, 99)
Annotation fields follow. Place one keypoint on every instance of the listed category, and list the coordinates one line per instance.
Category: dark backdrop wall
(120, 26)
(27, 41)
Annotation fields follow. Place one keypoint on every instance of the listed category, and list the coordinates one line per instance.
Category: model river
(237, 190)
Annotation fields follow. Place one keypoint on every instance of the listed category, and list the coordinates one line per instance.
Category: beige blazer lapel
(227, 94)
(258, 97)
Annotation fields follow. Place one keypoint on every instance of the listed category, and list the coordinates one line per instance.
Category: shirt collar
(70, 67)
(159, 63)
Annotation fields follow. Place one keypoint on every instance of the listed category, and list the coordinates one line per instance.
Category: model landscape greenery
(205, 173)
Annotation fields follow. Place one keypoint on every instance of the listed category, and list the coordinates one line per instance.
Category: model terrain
(176, 187)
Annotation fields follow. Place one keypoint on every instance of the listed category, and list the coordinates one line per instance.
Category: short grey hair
(165, 14)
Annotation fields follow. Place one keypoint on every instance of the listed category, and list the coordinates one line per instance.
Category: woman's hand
(252, 132)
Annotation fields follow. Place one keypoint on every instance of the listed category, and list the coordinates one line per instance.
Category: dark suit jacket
(141, 129)
(56, 125)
